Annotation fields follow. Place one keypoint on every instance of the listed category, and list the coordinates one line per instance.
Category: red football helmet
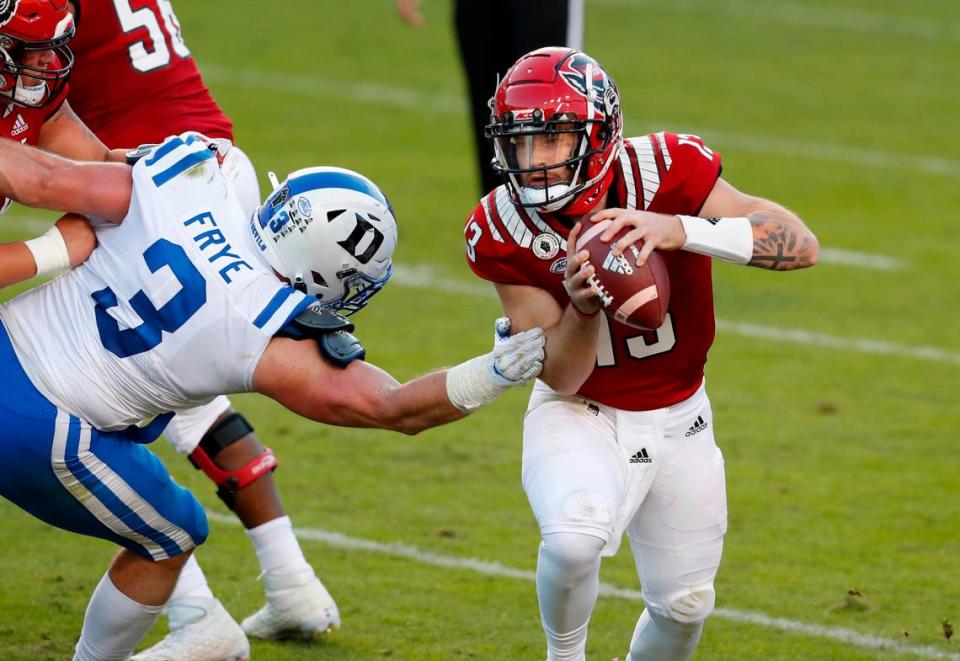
(30, 26)
(556, 127)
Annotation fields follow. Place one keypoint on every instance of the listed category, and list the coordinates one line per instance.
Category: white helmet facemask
(331, 233)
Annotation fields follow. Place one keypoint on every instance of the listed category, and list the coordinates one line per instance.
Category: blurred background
(834, 389)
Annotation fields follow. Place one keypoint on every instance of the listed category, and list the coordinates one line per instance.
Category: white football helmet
(329, 231)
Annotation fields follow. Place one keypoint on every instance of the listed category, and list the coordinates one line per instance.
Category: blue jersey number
(170, 317)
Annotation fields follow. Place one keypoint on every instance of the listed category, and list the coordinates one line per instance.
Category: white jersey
(174, 306)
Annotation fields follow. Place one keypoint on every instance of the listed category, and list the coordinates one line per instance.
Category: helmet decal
(8, 8)
(358, 236)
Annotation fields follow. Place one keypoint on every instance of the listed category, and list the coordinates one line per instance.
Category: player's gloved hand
(514, 361)
(516, 358)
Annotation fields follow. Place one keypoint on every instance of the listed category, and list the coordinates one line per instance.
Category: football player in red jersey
(35, 64)
(618, 435)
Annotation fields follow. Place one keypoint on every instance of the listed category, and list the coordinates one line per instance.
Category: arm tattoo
(778, 245)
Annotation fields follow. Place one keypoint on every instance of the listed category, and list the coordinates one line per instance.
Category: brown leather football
(637, 296)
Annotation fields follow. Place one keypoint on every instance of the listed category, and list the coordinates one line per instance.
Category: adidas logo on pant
(698, 426)
(641, 457)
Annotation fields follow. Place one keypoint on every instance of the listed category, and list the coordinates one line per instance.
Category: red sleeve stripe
(667, 161)
(494, 232)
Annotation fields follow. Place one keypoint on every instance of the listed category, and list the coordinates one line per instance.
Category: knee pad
(222, 435)
(571, 554)
(688, 606)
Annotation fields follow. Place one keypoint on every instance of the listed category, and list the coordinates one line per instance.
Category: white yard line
(864, 21)
(392, 96)
(489, 568)
(861, 259)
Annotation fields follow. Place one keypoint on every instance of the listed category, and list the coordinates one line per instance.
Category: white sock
(277, 548)
(191, 598)
(568, 581)
(658, 638)
(113, 624)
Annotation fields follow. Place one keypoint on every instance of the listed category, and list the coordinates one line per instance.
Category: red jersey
(636, 370)
(134, 80)
(24, 125)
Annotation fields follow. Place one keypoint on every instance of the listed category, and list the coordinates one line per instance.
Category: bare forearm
(570, 352)
(26, 173)
(16, 263)
(419, 405)
(781, 242)
(38, 179)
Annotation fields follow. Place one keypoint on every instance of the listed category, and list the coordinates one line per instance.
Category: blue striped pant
(102, 484)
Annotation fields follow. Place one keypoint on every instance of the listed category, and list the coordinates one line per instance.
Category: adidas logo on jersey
(19, 126)
(698, 426)
(641, 457)
(617, 264)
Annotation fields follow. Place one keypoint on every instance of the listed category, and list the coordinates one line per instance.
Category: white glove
(514, 361)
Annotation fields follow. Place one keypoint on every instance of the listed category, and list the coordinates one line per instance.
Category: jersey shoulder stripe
(488, 215)
(507, 213)
(174, 157)
(664, 152)
(285, 304)
(640, 157)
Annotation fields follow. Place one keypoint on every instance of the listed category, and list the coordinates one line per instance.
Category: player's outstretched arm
(362, 395)
(38, 179)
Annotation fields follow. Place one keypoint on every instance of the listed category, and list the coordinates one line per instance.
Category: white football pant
(592, 472)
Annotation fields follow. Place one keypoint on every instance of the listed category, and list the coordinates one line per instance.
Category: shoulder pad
(341, 348)
(314, 322)
(330, 330)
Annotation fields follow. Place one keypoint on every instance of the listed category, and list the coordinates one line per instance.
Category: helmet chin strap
(33, 95)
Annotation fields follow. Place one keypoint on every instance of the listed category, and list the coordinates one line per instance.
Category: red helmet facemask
(556, 128)
(28, 27)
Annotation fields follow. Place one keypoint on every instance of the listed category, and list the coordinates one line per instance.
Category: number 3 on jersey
(171, 316)
(135, 19)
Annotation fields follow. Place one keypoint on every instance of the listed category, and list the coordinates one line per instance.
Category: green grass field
(834, 389)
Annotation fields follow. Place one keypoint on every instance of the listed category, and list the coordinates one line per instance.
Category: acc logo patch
(8, 8)
(546, 246)
(304, 206)
(559, 266)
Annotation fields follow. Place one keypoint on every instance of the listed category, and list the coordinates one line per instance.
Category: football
(637, 296)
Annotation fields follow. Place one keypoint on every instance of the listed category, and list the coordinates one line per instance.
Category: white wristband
(49, 251)
(729, 239)
(473, 384)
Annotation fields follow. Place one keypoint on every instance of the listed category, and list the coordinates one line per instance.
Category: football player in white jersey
(37, 34)
(184, 299)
